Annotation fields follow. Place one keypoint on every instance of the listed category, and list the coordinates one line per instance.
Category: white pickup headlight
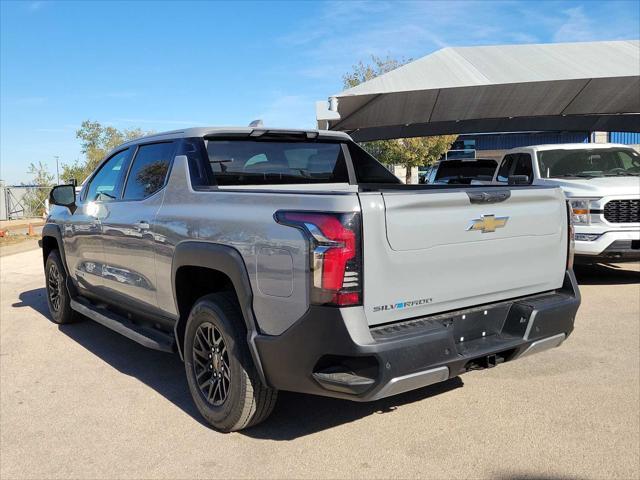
(580, 210)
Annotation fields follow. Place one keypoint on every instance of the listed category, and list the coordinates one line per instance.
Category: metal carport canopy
(586, 86)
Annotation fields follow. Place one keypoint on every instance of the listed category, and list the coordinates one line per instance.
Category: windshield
(462, 172)
(589, 163)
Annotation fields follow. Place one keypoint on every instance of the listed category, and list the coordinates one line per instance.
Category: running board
(142, 335)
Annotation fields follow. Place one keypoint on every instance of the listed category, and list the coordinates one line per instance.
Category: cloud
(35, 6)
(334, 16)
(341, 34)
(576, 28)
(183, 123)
(287, 111)
(523, 37)
(344, 33)
(361, 29)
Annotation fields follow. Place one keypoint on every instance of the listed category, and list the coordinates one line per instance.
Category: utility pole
(57, 170)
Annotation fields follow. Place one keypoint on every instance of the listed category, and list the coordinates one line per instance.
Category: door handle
(142, 225)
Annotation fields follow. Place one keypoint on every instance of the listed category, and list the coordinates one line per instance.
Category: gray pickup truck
(292, 260)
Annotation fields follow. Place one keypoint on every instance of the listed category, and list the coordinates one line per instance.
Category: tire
(58, 298)
(224, 383)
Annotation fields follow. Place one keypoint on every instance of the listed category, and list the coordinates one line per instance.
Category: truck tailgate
(430, 251)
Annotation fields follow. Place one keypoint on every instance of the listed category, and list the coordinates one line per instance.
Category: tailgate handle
(489, 197)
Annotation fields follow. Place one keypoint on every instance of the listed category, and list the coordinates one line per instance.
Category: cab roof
(256, 132)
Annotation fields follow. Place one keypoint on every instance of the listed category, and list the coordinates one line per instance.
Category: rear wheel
(222, 378)
(58, 298)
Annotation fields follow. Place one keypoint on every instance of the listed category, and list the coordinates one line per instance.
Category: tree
(419, 151)
(407, 152)
(35, 197)
(363, 72)
(96, 141)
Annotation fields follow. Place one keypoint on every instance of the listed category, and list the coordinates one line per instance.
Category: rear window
(252, 162)
(459, 171)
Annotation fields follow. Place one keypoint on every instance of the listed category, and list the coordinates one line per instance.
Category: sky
(168, 65)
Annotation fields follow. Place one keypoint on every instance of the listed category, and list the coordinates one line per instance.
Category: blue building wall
(506, 141)
(627, 138)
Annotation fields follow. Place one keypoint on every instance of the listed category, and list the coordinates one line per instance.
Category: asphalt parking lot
(80, 401)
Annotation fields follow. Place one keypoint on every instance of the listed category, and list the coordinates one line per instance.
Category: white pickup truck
(602, 184)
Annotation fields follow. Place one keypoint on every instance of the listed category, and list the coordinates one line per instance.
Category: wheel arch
(52, 240)
(226, 264)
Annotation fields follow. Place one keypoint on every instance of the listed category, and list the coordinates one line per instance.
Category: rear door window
(253, 162)
(149, 170)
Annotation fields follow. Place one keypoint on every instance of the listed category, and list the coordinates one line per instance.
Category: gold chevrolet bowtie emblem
(488, 223)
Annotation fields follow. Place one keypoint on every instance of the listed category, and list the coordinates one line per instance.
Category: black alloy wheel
(58, 298)
(221, 375)
(211, 364)
(54, 287)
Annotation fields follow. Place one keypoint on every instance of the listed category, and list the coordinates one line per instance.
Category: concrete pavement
(22, 245)
(80, 401)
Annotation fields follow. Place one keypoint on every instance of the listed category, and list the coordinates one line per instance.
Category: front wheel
(222, 378)
(58, 298)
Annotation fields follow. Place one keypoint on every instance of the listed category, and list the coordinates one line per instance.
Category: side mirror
(63, 195)
(519, 180)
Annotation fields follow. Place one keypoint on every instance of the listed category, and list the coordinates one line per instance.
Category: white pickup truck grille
(622, 211)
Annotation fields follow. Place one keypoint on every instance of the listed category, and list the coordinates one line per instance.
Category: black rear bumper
(329, 352)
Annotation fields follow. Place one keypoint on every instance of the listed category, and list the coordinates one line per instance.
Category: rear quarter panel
(276, 256)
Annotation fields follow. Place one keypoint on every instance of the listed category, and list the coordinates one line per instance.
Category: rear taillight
(571, 240)
(335, 255)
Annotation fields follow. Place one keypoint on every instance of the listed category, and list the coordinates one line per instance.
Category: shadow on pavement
(161, 371)
(295, 415)
(35, 299)
(607, 274)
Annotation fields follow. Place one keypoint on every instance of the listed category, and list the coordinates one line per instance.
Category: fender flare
(229, 261)
(53, 230)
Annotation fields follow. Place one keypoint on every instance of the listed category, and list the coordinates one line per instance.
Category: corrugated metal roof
(493, 65)
(457, 89)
